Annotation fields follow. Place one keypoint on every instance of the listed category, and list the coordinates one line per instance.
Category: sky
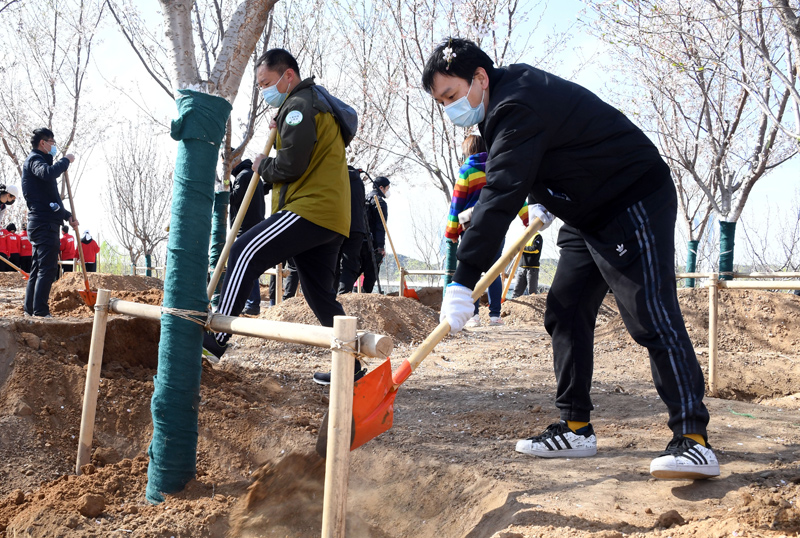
(117, 74)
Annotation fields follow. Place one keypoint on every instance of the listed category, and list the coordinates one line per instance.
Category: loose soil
(447, 467)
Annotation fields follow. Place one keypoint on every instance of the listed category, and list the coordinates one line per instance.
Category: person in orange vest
(67, 250)
(4, 250)
(25, 250)
(90, 250)
(12, 244)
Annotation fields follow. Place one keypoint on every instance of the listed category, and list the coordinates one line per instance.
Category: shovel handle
(77, 231)
(511, 275)
(237, 223)
(443, 328)
(24, 274)
(391, 244)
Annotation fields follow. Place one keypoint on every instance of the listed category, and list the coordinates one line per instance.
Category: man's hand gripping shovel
(374, 394)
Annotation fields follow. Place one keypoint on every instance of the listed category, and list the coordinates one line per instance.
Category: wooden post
(92, 380)
(340, 412)
(713, 307)
(279, 284)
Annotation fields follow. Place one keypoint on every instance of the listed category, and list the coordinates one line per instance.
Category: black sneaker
(325, 378)
(254, 311)
(685, 458)
(558, 441)
(213, 350)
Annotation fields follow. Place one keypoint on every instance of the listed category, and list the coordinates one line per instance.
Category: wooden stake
(713, 307)
(279, 284)
(92, 380)
(337, 463)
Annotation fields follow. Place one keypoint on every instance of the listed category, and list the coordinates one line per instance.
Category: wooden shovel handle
(237, 223)
(483, 284)
(388, 235)
(511, 275)
(77, 231)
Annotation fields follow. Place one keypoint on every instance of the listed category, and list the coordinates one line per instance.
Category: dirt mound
(405, 320)
(12, 280)
(529, 309)
(65, 299)
(749, 320)
(430, 297)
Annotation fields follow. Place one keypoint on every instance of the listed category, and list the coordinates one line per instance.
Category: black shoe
(251, 311)
(213, 350)
(325, 378)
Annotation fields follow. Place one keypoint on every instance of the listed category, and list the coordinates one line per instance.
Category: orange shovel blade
(89, 297)
(411, 294)
(373, 404)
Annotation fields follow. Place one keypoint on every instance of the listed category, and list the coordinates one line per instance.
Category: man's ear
(483, 77)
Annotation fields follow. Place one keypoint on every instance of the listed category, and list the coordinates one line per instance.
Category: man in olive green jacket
(310, 197)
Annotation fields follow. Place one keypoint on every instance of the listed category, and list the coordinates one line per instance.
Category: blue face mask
(53, 150)
(461, 113)
(272, 96)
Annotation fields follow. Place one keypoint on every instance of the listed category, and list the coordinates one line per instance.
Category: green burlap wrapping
(450, 261)
(727, 230)
(218, 229)
(174, 407)
(148, 262)
(691, 261)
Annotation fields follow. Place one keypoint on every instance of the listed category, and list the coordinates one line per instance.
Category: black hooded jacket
(374, 218)
(557, 144)
(243, 173)
(357, 196)
(40, 188)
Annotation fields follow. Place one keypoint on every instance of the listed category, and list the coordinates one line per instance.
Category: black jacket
(243, 173)
(40, 188)
(357, 196)
(532, 253)
(558, 143)
(374, 219)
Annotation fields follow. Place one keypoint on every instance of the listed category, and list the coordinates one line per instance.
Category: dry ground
(447, 468)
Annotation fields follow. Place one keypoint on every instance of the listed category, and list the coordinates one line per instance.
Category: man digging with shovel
(557, 144)
(310, 197)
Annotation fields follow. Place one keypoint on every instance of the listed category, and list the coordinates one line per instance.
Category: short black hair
(461, 61)
(64, 229)
(278, 60)
(42, 133)
(381, 181)
(11, 227)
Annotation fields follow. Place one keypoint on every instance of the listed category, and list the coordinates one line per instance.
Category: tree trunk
(218, 229)
(727, 231)
(173, 450)
(148, 262)
(691, 261)
(450, 261)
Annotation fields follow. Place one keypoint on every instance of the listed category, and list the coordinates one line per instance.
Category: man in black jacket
(46, 213)
(242, 173)
(349, 266)
(381, 191)
(584, 161)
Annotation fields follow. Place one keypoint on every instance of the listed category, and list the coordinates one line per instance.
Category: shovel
(374, 394)
(237, 223)
(89, 297)
(406, 292)
(25, 276)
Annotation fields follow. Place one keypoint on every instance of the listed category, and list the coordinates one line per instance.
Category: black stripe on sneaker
(548, 445)
(689, 455)
(698, 455)
(564, 440)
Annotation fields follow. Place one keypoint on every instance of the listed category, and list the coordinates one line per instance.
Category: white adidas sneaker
(685, 459)
(558, 441)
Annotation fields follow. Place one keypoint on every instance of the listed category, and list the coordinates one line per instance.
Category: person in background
(584, 161)
(4, 253)
(471, 180)
(528, 274)
(290, 282)
(46, 213)
(67, 250)
(242, 173)
(12, 245)
(25, 250)
(381, 186)
(90, 250)
(349, 265)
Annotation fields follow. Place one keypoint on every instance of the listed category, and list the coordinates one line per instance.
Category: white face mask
(272, 96)
(387, 193)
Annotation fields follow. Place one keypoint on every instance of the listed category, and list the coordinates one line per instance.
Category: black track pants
(282, 236)
(634, 255)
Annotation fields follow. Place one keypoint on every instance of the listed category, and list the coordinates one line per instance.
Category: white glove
(457, 307)
(539, 211)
